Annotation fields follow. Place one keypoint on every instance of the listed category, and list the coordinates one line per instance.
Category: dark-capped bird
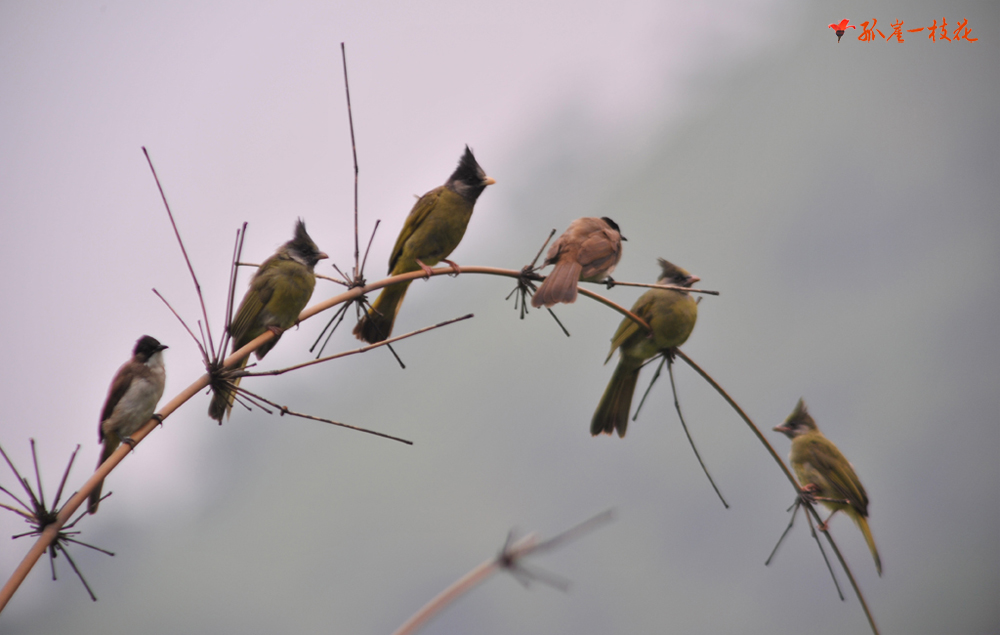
(132, 398)
(588, 250)
(671, 316)
(433, 229)
(825, 472)
(279, 290)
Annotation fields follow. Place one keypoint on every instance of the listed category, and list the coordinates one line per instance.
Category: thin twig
(180, 242)
(78, 574)
(553, 314)
(24, 514)
(364, 261)
(354, 152)
(656, 375)
(38, 477)
(770, 449)
(284, 410)
(234, 268)
(812, 530)
(355, 351)
(62, 483)
(20, 480)
(204, 354)
(672, 287)
(531, 267)
(795, 510)
(677, 405)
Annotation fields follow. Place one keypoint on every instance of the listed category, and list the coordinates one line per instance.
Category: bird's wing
(830, 462)
(599, 248)
(629, 327)
(258, 295)
(421, 210)
(119, 386)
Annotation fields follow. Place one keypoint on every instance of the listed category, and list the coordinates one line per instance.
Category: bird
(825, 474)
(131, 402)
(430, 233)
(671, 315)
(280, 289)
(588, 250)
(840, 28)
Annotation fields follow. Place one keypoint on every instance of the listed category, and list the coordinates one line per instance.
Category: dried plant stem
(509, 558)
(810, 509)
(461, 586)
(51, 531)
(660, 286)
(781, 463)
(351, 294)
(363, 349)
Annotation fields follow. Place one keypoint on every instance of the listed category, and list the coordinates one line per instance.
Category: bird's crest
(672, 274)
(303, 246)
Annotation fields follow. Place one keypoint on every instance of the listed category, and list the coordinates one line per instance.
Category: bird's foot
(808, 492)
(427, 270)
(130, 442)
(609, 282)
(454, 267)
(277, 330)
(158, 417)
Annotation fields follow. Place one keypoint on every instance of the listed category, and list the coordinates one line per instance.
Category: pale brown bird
(588, 250)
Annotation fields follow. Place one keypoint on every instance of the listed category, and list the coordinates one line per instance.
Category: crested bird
(671, 315)
(433, 229)
(280, 289)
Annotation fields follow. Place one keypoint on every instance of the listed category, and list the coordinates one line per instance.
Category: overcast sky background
(842, 197)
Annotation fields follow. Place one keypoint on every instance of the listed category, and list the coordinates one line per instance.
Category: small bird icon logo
(841, 27)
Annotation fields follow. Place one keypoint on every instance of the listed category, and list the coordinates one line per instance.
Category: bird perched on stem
(671, 316)
(430, 233)
(825, 474)
(280, 289)
(841, 28)
(132, 398)
(588, 250)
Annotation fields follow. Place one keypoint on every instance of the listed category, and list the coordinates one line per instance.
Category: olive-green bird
(431, 232)
(671, 315)
(278, 292)
(824, 472)
(588, 250)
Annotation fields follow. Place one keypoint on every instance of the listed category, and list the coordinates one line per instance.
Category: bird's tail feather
(612, 411)
(223, 399)
(862, 524)
(376, 325)
(110, 445)
(559, 286)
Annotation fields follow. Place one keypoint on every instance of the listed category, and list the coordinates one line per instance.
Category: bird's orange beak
(489, 180)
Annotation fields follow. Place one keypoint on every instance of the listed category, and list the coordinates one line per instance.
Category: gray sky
(841, 197)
